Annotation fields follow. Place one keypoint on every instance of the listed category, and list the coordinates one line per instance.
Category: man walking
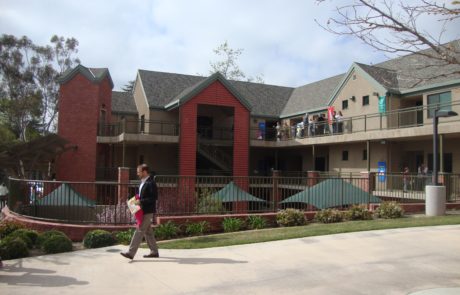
(148, 196)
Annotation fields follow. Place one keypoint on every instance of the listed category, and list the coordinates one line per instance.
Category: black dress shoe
(152, 255)
(127, 255)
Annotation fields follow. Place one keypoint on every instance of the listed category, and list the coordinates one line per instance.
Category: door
(419, 103)
(320, 163)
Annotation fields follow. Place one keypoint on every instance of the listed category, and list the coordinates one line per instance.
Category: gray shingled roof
(273, 101)
(416, 70)
(311, 96)
(123, 102)
(95, 75)
(385, 77)
(163, 88)
(266, 100)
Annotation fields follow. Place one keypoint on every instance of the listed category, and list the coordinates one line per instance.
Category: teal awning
(332, 193)
(233, 193)
(65, 195)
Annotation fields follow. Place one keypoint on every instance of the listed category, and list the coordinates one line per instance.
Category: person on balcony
(148, 193)
(406, 179)
(339, 122)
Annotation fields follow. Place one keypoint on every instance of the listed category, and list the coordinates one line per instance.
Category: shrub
(57, 244)
(358, 212)
(290, 217)
(329, 216)
(232, 224)
(124, 237)
(389, 210)
(256, 222)
(8, 226)
(46, 235)
(195, 229)
(166, 230)
(28, 236)
(208, 204)
(12, 248)
(98, 238)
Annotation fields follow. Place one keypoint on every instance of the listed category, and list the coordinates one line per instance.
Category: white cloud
(280, 38)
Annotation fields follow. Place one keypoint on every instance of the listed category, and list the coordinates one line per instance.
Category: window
(142, 124)
(345, 104)
(365, 100)
(364, 154)
(440, 100)
(344, 155)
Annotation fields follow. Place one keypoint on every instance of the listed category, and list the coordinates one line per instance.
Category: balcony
(402, 123)
(138, 131)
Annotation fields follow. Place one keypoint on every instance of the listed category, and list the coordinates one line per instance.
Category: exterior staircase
(216, 155)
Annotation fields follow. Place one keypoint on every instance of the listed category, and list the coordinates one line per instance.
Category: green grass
(313, 229)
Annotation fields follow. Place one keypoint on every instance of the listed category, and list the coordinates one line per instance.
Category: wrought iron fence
(104, 202)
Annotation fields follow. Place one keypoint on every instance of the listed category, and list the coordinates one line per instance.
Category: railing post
(275, 192)
(380, 121)
(123, 181)
(123, 125)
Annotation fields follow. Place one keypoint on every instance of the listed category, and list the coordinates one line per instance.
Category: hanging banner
(330, 114)
(261, 131)
(382, 104)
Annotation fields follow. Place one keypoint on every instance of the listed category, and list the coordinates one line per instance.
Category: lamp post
(435, 203)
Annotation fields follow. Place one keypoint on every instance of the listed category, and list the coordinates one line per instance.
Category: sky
(280, 39)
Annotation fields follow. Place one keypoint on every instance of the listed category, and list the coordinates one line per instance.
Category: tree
(28, 82)
(129, 87)
(394, 27)
(228, 66)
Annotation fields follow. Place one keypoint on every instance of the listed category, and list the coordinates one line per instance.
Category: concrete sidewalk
(398, 261)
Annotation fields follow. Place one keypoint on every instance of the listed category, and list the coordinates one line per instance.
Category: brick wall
(214, 94)
(80, 103)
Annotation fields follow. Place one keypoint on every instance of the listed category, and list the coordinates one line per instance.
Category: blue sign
(261, 132)
(382, 170)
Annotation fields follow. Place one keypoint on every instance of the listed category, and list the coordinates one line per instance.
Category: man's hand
(137, 202)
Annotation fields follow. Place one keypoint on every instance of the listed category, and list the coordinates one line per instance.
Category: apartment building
(194, 125)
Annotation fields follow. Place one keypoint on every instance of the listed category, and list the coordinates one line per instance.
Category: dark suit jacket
(149, 196)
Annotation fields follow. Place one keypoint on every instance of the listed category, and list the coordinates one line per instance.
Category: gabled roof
(95, 75)
(162, 88)
(418, 70)
(123, 103)
(385, 77)
(193, 90)
(167, 89)
(311, 97)
(332, 193)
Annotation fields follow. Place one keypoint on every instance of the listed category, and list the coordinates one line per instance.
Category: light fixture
(375, 94)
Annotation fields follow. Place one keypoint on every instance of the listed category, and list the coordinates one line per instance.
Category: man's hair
(144, 167)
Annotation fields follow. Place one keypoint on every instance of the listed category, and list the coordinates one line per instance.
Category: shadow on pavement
(35, 277)
(190, 260)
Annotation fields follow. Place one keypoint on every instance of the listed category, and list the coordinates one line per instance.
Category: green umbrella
(332, 193)
(233, 193)
(65, 195)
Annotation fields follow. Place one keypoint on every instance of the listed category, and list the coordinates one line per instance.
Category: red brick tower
(84, 102)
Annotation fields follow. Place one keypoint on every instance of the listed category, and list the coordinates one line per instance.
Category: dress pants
(144, 230)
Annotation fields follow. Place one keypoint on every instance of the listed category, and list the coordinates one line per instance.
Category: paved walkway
(398, 261)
